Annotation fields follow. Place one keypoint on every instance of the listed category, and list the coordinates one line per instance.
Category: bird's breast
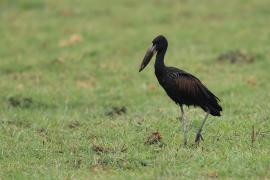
(160, 77)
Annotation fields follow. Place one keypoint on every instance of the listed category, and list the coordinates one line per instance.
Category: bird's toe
(198, 138)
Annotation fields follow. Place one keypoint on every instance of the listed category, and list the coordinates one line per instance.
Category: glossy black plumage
(182, 87)
(185, 89)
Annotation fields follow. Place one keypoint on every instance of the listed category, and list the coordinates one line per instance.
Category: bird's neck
(159, 64)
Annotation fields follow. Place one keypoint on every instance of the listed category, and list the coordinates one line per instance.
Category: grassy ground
(65, 65)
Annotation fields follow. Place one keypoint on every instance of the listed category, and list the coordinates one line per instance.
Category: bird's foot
(198, 138)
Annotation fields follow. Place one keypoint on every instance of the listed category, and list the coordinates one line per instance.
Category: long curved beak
(148, 56)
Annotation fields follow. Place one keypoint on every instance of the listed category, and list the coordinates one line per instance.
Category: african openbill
(182, 87)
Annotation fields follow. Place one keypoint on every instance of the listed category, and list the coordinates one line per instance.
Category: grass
(64, 65)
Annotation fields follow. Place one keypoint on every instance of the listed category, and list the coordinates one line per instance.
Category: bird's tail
(212, 103)
(215, 109)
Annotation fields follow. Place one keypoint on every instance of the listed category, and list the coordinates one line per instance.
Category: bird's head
(158, 44)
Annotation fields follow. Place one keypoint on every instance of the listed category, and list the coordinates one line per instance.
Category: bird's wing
(188, 85)
(184, 88)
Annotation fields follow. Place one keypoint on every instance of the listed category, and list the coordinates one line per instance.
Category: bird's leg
(199, 135)
(183, 120)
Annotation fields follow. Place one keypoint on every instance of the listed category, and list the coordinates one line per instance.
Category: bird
(182, 87)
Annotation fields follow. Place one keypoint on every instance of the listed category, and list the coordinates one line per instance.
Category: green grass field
(66, 65)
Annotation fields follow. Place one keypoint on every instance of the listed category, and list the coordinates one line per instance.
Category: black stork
(182, 87)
